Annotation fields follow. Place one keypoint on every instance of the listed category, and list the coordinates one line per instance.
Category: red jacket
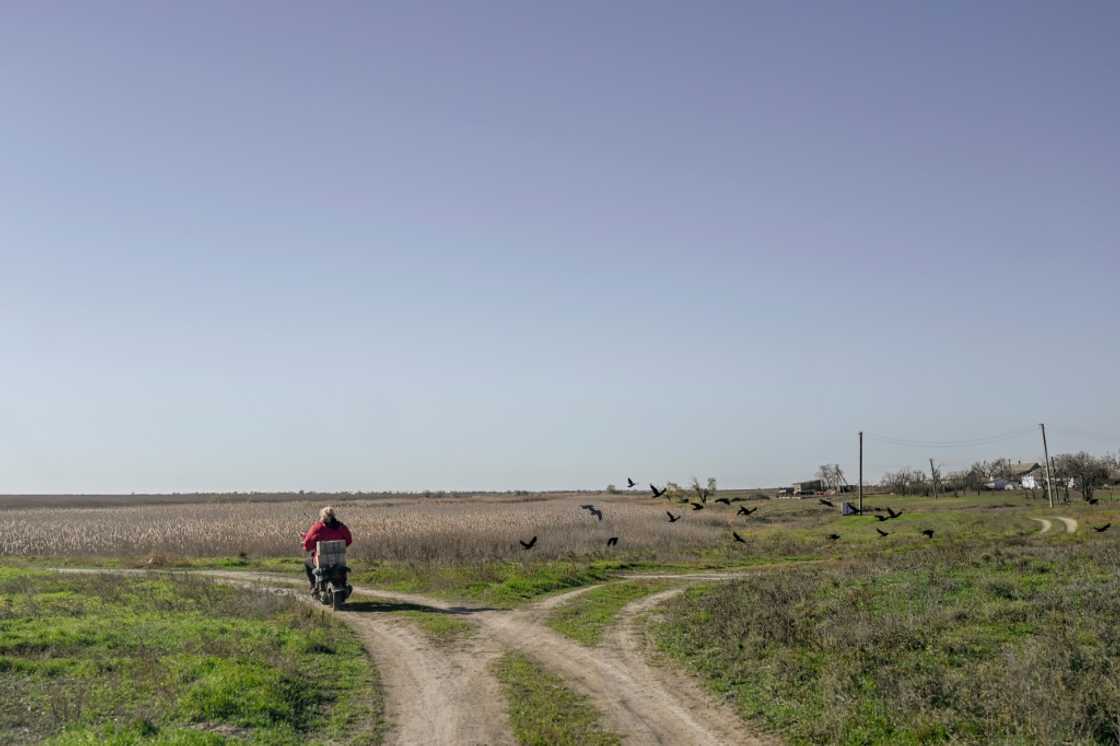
(320, 531)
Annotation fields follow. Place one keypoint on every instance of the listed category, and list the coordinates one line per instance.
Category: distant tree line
(1079, 472)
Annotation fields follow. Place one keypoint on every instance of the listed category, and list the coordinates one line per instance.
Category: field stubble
(443, 530)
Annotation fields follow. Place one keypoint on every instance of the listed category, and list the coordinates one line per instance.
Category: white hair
(326, 514)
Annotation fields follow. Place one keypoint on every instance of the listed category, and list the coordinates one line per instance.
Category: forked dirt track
(433, 694)
(440, 694)
(1069, 523)
(635, 651)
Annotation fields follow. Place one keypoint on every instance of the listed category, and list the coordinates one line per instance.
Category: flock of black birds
(701, 502)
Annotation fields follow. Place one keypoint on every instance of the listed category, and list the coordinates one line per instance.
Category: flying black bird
(822, 501)
(528, 544)
(744, 510)
(881, 531)
(1094, 500)
(881, 518)
(893, 514)
(597, 513)
(738, 499)
(723, 500)
(738, 538)
(656, 492)
(612, 541)
(631, 483)
(672, 518)
(697, 506)
(928, 533)
(587, 507)
(833, 537)
(1102, 529)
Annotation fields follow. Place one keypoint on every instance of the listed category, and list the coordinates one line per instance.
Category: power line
(965, 443)
(1067, 430)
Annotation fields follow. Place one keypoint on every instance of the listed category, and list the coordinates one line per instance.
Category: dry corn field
(410, 530)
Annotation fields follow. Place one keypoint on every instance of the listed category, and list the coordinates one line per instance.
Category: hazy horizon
(261, 247)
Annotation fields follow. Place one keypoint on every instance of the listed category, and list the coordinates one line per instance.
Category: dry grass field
(448, 530)
(481, 528)
(863, 647)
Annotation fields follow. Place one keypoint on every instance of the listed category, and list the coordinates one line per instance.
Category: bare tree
(832, 476)
(905, 481)
(976, 476)
(1087, 471)
(1000, 468)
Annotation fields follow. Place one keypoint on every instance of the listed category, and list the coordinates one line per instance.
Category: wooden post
(861, 472)
(1046, 455)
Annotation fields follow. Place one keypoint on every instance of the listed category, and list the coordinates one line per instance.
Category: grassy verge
(1012, 643)
(123, 660)
(781, 531)
(585, 617)
(441, 627)
(543, 712)
(496, 583)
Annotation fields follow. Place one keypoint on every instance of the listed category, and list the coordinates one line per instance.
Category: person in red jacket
(327, 528)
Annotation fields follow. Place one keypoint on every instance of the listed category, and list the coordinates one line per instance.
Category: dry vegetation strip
(420, 531)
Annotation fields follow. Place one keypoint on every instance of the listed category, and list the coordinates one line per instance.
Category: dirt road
(1046, 525)
(1069, 523)
(436, 694)
(433, 694)
(650, 705)
(635, 653)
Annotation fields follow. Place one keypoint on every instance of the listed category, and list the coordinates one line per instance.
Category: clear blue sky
(491, 245)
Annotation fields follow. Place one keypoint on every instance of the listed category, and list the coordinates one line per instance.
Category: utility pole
(861, 472)
(933, 477)
(1046, 455)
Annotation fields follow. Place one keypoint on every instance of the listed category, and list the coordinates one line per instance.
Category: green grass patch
(586, 616)
(496, 583)
(441, 627)
(543, 712)
(176, 660)
(960, 643)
